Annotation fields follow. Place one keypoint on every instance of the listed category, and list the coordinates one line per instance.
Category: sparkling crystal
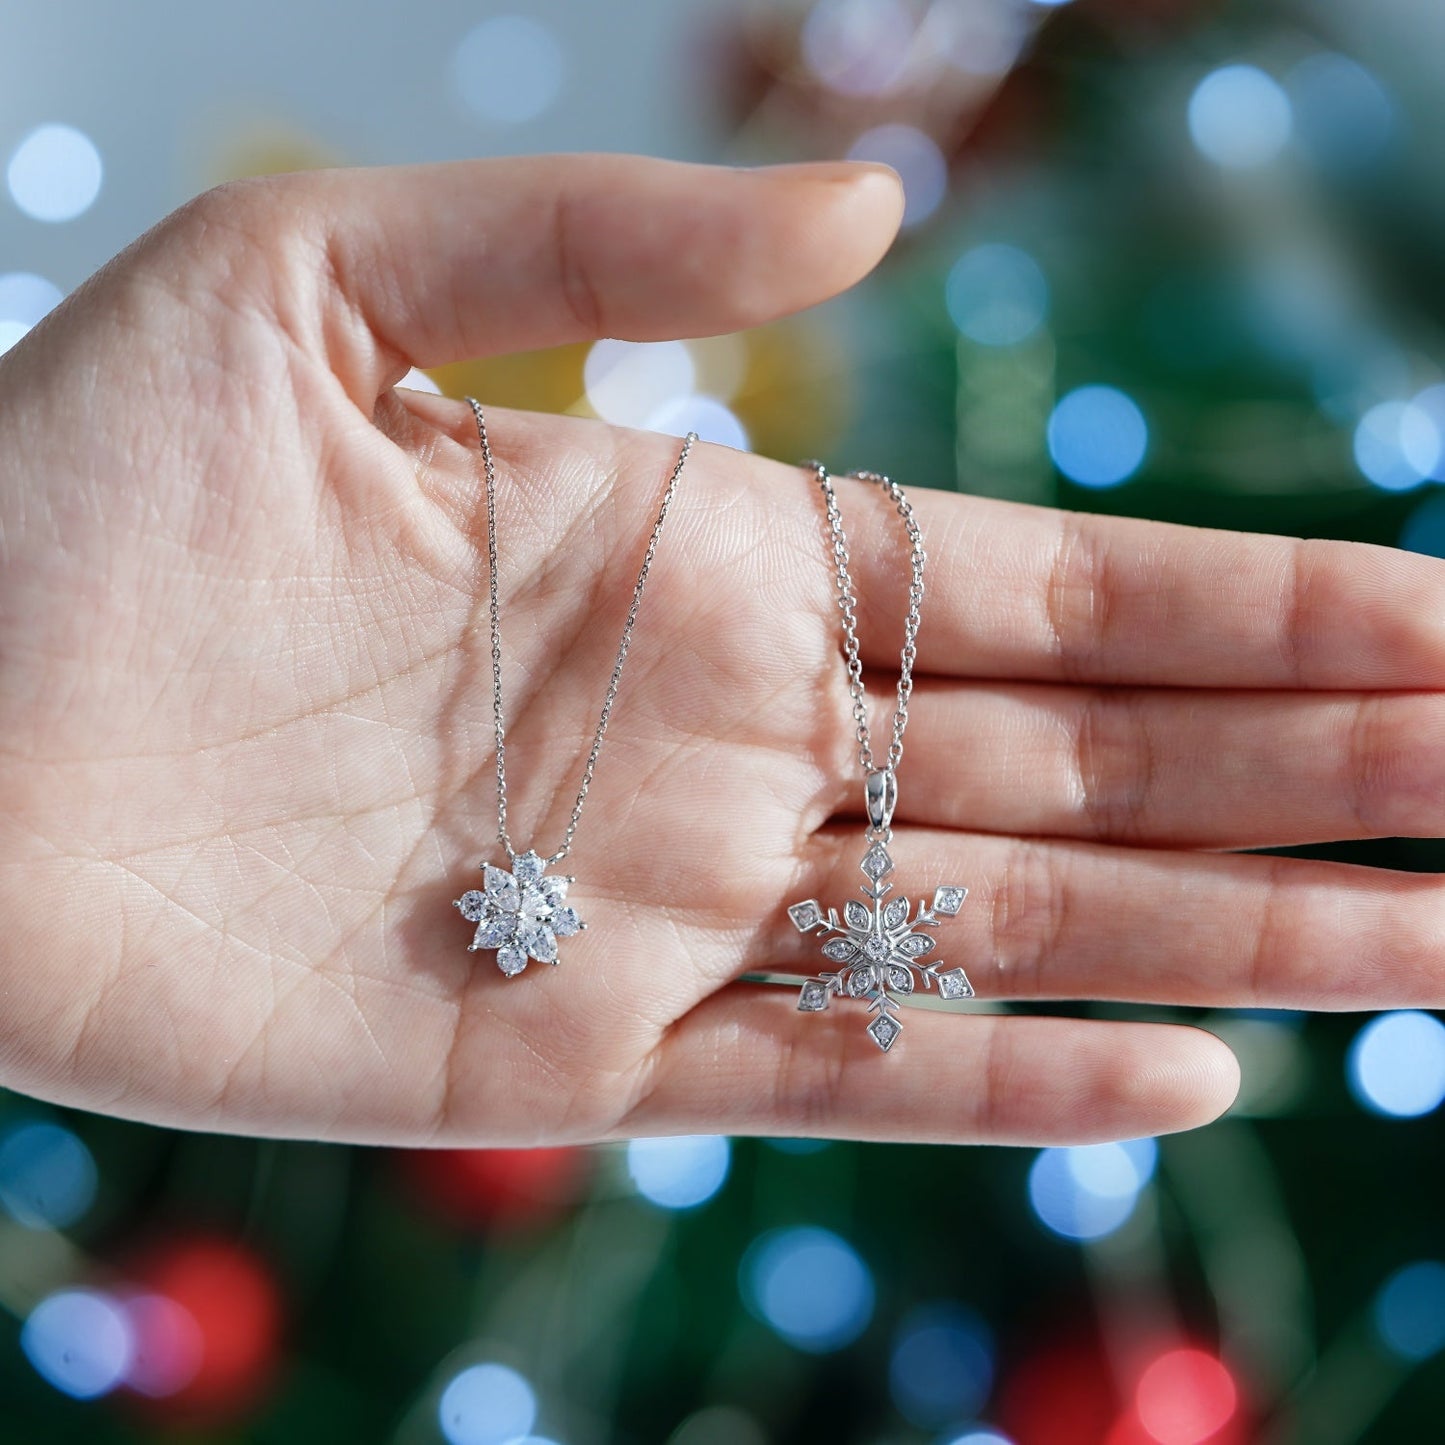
(876, 948)
(862, 980)
(473, 905)
(948, 900)
(857, 916)
(511, 960)
(900, 979)
(813, 997)
(884, 1030)
(895, 913)
(876, 862)
(527, 866)
(501, 889)
(805, 915)
(565, 922)
(494, 932)
(534, 908)
(539, 941)
(840, 950)
(555, 890)
(954, 984)
(915, 945)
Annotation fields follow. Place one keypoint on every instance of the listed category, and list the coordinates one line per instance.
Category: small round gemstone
(876, 948)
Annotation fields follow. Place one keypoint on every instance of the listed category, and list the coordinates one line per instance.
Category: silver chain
(848, 606)
(591, 766)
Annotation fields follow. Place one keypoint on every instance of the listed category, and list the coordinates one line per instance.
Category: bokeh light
(858, 47)
(417, 380)
(1089, 1191)
(47, 1175)
(1097, 436)
(55, 173)
(979, 1437)
(24, 299)
(941, 1368)
(509, 69)
(808, 1285)
(1239, 117)
(1424, 528)
(168, 1347)
(997, 295)
(79, 1341)
(1410, 1310)
(1397, 1064)
(1431, 401)
(710, 418)
(918, 161)
(630, 382)
(976, 39)
(487, 1404)
(1344, 117)
(1184, 1397)
(1397, 445)
(719, 1425)
(681, 1172)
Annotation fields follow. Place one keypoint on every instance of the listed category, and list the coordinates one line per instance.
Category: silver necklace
(878, 946)
(522, 912)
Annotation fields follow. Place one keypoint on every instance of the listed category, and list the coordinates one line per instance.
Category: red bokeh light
(1185, 1397)
(499, 1186)
(1062, 1395)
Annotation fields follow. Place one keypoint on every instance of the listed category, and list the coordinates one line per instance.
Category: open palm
(245, 711)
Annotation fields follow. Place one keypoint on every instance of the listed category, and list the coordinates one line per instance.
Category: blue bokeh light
(1410, 1310)
(808, 1285)
(997, 295)
(487, 1405)
(1397, 445)
(941, 1369)
(682, 1172)
(713, 420)
(1097, 436)
(1431, 401)
(1239, 117)
(79, 1341)
(1089, 1191)
(1424, 529)
(54, 173)
(47, 1175)
(1397, 1064)
(979, 1437)
(1344, 117)
(917, 159)
(24, 299)
(509, 69)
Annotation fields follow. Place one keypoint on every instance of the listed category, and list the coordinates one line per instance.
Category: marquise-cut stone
(527, 866)
(876, 948)
(862, 981)
(494, 932)
(884, 1031)
(473, 905)
(539, 941)
(900, 979)
(948, 900)
(511, 960)
(915, 945)
(565, 922)
(895, 913)
(876, 862)
(840, 950)
(814, 996)
(534, 907)
(805, 915)
(954, 984)
(501, 888)
(856, 915)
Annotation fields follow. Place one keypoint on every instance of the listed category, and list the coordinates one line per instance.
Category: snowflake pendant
(521, 914)
(880, 948)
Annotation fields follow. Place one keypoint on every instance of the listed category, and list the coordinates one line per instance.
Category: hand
(246, 706)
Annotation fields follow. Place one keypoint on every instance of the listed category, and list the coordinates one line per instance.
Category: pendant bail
(880, 797)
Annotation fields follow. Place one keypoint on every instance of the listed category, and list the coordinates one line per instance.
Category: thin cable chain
(501, 734)
(848, 607)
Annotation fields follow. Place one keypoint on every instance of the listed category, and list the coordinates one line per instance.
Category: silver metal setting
(522, 913)
(879, 945)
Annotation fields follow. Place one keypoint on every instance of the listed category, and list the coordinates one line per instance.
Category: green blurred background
(1169, 258)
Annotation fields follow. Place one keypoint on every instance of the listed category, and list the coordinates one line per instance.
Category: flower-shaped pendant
(521, 914)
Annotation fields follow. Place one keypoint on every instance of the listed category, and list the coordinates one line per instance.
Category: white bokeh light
(1089, 1191)
(418, 380)
(679, 1173)
(858, 47)
(1239, 117)
(630, 382)
(487, 1405)
(711, 419)
(918, 161)
(55, 173)
(976, 37)
(26, 297)
(1397, 1064)
(509, 69)
(1397, 445)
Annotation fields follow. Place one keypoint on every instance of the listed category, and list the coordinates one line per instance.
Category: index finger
(1021, 592)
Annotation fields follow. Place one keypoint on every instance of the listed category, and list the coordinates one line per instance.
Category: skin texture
(245, 732)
